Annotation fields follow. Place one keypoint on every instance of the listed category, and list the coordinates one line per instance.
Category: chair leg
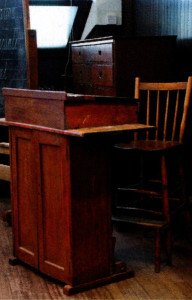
(166, 208)
(168, 246)
(184, 195)
(157, 250)
(165, 189)
(141, 175)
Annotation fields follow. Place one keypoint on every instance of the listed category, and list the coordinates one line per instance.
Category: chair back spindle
(157, 115)
(175, 117)
(185, 108)
(166, 117)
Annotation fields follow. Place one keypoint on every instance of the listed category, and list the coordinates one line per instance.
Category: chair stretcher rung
(139, 191)
(149, 211)
(4, 148)
(140, 221)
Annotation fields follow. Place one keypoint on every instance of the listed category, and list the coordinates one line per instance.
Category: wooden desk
(60, 177)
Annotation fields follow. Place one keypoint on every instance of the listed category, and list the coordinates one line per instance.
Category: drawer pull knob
(100, 74)
(80, 72)
(79, 53)
(99, 52)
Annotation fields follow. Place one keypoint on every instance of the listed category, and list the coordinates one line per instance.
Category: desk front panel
(61, 205)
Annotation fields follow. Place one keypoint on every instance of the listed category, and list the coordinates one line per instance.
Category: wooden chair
(154, 200)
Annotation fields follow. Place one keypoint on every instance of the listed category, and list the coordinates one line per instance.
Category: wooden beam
(31, 49)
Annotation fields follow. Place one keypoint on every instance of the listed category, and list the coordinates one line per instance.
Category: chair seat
(149, 145)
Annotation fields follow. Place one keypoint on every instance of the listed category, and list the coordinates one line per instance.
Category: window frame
(84, 7)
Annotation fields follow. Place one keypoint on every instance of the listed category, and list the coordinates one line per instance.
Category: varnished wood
(31, 49)
(61, 182)
(4, 148)
(166, 116)
(4, 172)
(127, 273)
(175, 116)
(157, 114)
(26, 14)
(107, 66)
(173, 86)
(165, 143)
(90, 131)
(118, 129)
(171, 283)
(150, 145)
(58, 110)
(32, 59)
(4, 168)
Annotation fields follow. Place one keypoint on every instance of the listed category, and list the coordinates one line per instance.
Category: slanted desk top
(74, 114)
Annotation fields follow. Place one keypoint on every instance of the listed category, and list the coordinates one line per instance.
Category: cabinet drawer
(81, 73)
(94, 74)
(90, 53)
(78, 54)
(102, 75)
(99, 53)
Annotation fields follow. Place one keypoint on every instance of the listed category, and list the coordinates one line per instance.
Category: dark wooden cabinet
(108, 66)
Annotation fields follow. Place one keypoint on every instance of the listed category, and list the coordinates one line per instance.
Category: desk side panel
(91, 211)
(37, 111)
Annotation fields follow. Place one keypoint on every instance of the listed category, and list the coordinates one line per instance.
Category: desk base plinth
(122, 272)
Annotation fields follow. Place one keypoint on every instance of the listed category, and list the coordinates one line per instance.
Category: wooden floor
(133, 246)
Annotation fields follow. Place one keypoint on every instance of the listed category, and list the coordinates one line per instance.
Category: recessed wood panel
(53, 208)
(51, 180)
(24, 200)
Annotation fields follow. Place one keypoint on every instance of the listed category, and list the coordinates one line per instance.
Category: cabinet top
(95, 41)
(111, 39)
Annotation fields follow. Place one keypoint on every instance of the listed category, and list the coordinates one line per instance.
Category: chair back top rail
(169, 88)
